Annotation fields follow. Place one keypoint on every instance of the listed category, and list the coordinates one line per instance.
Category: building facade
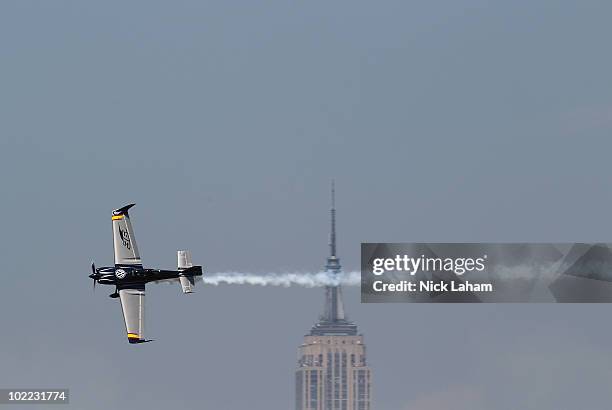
(332, 371)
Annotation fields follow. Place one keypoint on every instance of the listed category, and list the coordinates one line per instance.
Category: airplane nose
(93, 276)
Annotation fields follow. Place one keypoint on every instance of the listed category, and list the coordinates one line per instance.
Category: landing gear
(114, 295)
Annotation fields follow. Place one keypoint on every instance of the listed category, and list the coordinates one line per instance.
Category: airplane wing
(132, 304)
(124, 242)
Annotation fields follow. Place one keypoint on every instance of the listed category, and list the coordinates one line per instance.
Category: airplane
(129, 277)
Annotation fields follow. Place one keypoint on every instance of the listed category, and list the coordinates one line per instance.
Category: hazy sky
(225, 121)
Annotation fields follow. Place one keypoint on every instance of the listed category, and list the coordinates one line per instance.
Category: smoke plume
(309, 280)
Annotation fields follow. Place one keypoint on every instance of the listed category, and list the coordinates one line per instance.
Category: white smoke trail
(309, 280)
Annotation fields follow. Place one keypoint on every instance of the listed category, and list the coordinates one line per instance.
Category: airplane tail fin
(188, 272)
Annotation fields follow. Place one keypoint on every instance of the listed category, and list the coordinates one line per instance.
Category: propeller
(93, 275)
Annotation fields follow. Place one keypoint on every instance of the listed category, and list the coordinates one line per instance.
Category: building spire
(332, 236)
(334, 308)
(333, 321)
(333, 262)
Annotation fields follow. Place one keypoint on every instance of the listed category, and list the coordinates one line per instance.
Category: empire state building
(332, 371)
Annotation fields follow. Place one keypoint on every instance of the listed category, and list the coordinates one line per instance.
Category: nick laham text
(431, 286)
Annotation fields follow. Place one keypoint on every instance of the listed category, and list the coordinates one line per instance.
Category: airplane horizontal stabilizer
(188, 272)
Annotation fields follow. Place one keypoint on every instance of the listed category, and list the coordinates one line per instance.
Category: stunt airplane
(129, 277)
